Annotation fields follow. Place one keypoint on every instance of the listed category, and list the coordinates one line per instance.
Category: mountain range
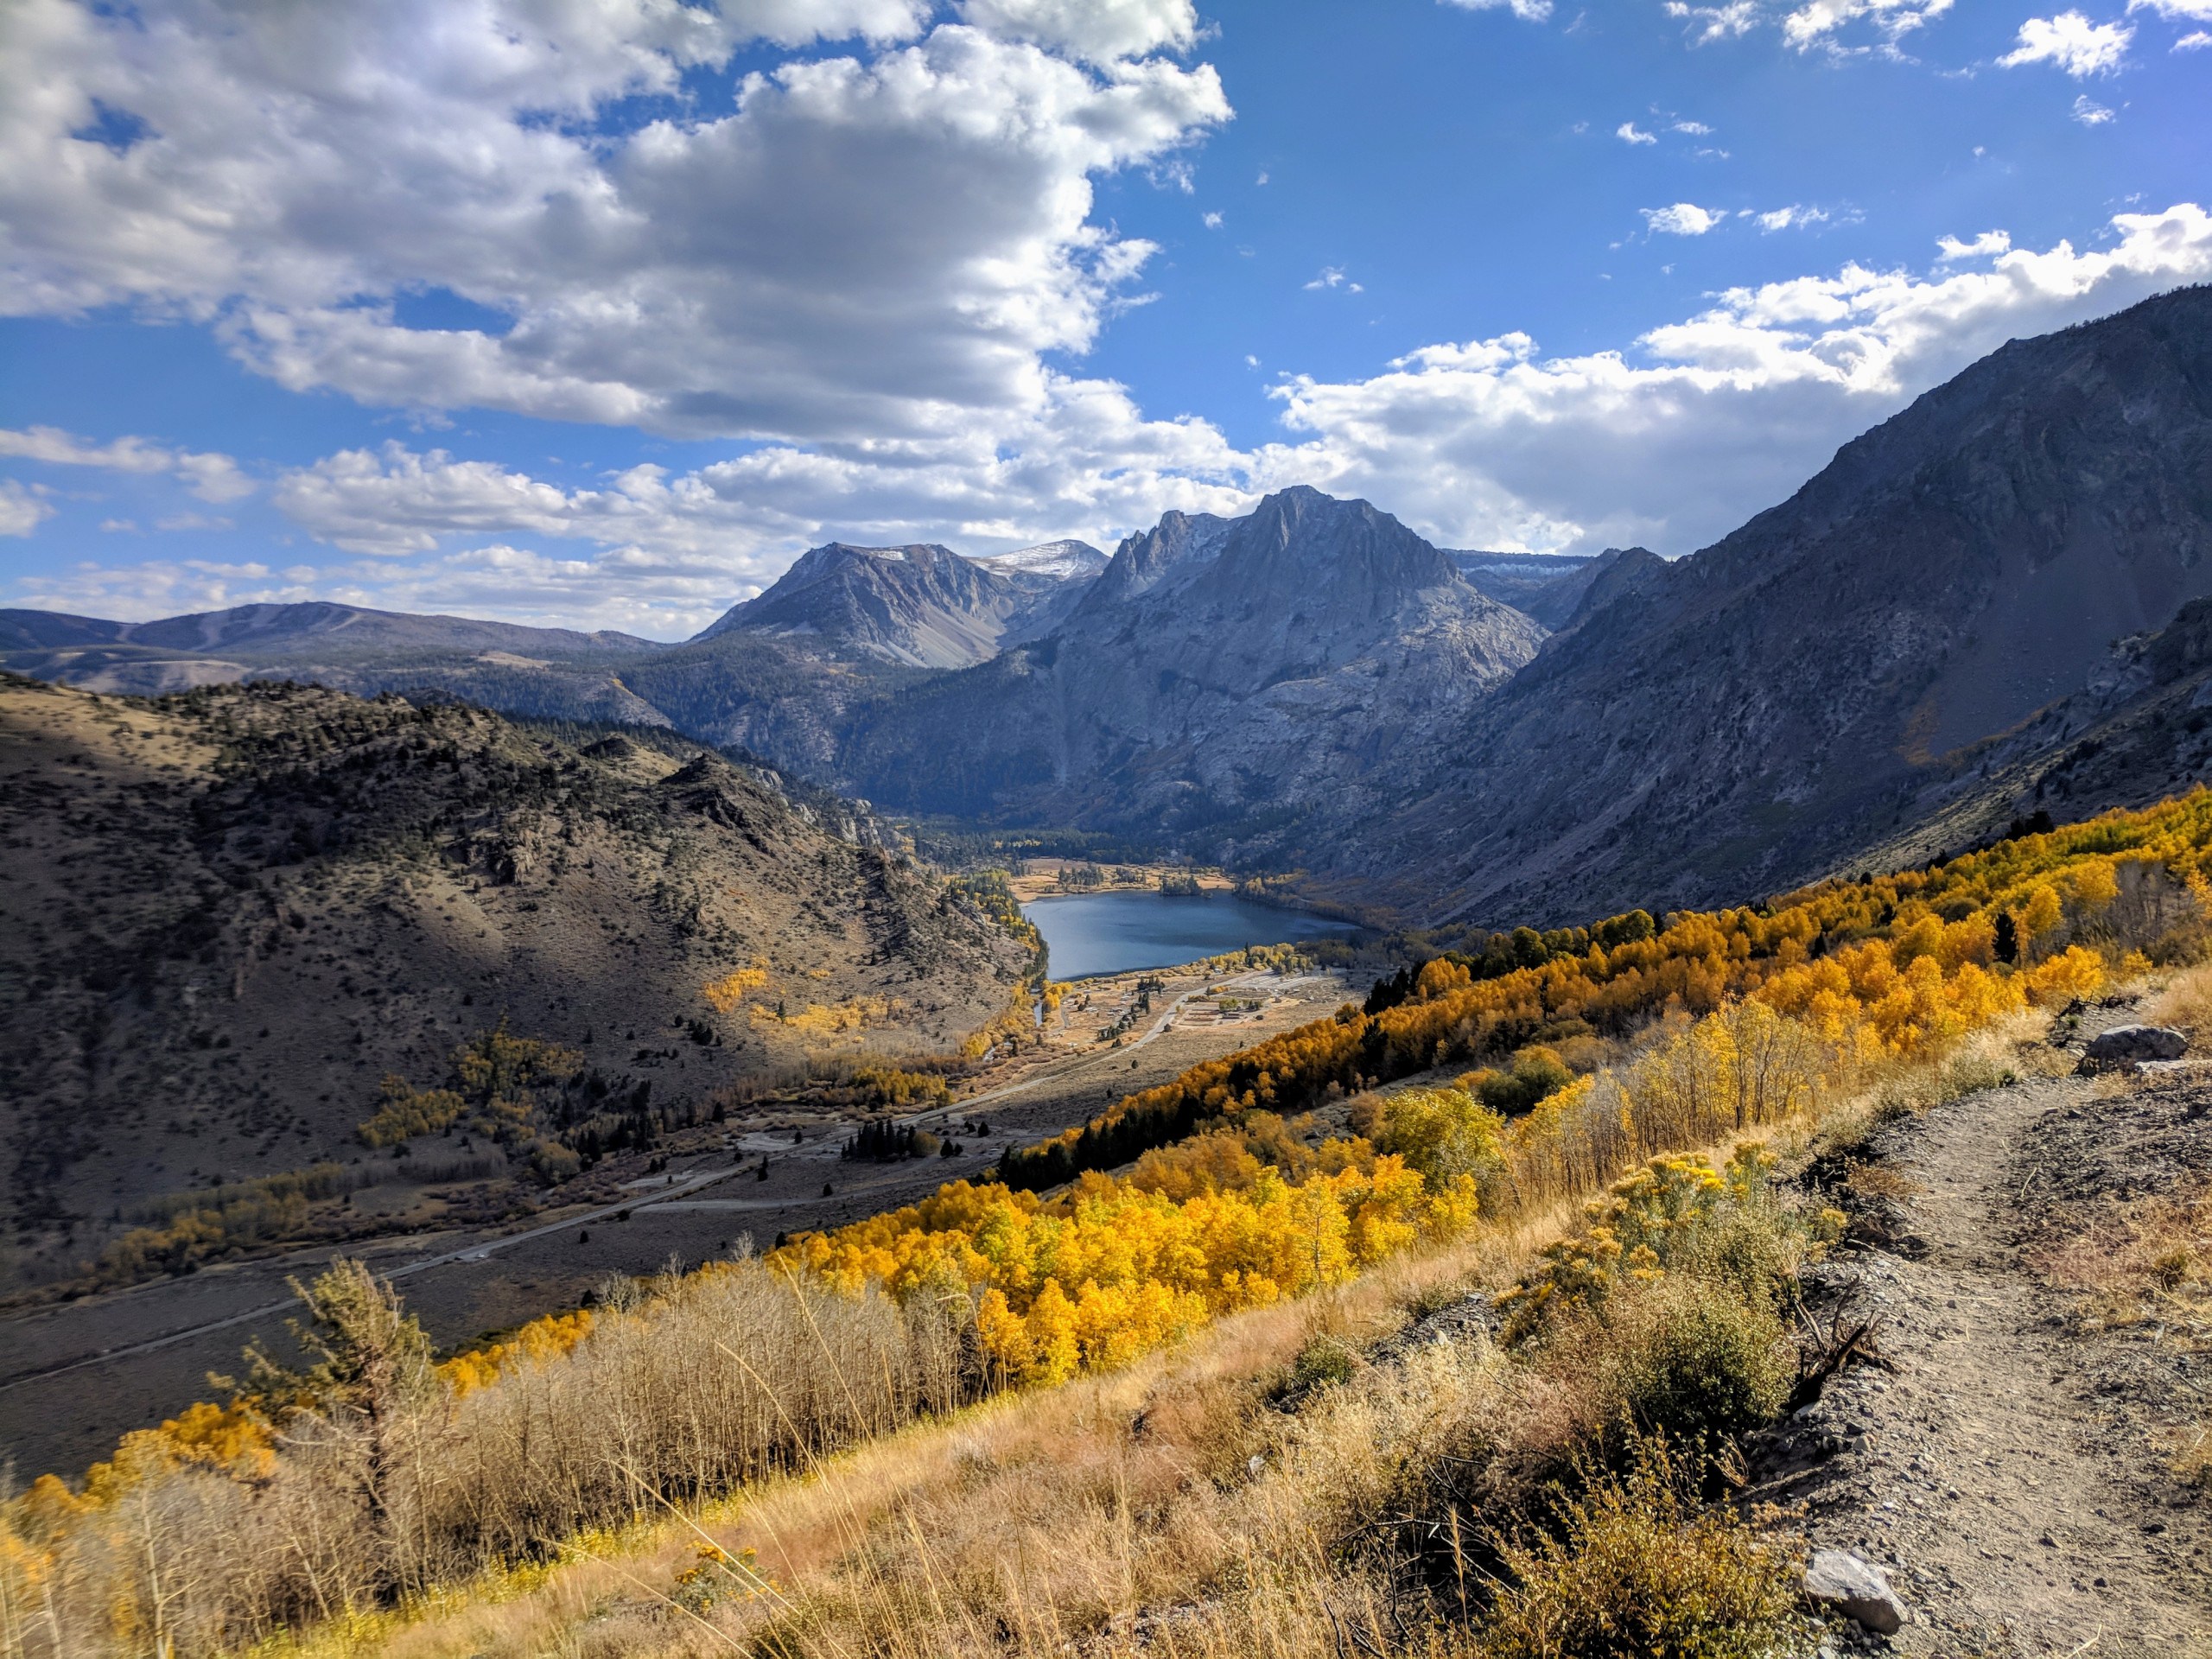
(1904, 651)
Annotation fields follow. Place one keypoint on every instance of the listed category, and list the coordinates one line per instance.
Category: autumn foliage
(375, 1475)
(1893, 965)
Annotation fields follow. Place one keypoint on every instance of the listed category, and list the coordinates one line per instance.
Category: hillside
(1218, 673)
(230, 914)
(1805, 689)
(1754, 1234)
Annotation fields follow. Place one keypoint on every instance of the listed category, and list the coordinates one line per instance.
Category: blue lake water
(1114, 932)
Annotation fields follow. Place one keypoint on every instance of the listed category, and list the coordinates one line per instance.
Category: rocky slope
(1219, 675)
(1810, 687)
(229, 914)
(922, 606)
(1547, 586)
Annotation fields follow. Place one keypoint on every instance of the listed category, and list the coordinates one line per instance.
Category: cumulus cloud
(2070, 41)
(672, 550)
(1486, 443)
(2197, 11)
(2196, 41)
(883, 241)
(1086, 30)
(1490, 444)
(2090, 113)
(1627, 132)
(211, 477)
(21, 510)
(1987, 245)
(1683, 218)
(1334, 276)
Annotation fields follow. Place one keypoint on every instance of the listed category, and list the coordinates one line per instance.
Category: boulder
(2126, 1046)
(1839, 1581)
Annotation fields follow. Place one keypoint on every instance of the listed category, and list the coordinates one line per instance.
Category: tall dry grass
(689, 1387)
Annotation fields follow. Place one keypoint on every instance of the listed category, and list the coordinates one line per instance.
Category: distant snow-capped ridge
(1068, 560)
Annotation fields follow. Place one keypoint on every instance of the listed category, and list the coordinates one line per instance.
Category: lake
(1114, 932)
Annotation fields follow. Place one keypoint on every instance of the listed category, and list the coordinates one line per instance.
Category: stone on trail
(2131, 1045)
(1841, 1581)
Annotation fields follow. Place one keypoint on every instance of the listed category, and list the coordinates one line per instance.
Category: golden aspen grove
(378, 1476)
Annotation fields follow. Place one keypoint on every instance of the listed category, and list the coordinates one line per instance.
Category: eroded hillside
(230, 914)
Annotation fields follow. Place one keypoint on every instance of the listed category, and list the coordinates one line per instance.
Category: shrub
(1692, 1359)
(1638, 1565)
(1322, 1362)
(1534, 1075)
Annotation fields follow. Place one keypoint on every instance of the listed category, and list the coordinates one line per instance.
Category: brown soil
(2013, 1470)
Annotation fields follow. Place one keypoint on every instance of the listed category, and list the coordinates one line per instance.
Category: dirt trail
(2011, 1472)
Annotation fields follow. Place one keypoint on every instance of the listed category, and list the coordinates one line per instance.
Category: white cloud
(1482, 444)
(1211, 221)
(1720, 22)
(1794, 217)
(1334, 276)
(1695, 129)
(2196, 41)
(1530, 11)
(672, 552)
(1683, 218)
(194, 521)
(1628, 134)
(304, 171)
(21, 509)
(1822, 24)
(1086, 30)
(1490, 444)
(1987, 245)
(2197, 11)
(2090, 113)
(2071, 43)
(210, 477)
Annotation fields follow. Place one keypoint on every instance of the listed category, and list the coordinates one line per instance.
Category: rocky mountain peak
(920, 605)
(1309, 547)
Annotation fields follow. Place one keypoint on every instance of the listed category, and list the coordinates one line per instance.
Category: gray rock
(1844, 1583)
(2131, 1045)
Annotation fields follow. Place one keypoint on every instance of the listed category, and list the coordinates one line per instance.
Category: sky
(596, 312)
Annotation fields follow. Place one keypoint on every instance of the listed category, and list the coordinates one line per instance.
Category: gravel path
(2012, 1470)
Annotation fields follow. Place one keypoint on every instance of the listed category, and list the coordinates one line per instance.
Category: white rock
(1856, 1588)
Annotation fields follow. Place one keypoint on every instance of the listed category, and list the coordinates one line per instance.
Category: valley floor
(2013, 1470)
(77, 1375)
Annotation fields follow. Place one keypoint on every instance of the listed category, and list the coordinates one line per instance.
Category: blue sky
(597, 312)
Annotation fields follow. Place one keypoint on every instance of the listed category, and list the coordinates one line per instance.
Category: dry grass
(1176, 1501)
(1169, 1507)
(2151, 1259)
(2185, 1003)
